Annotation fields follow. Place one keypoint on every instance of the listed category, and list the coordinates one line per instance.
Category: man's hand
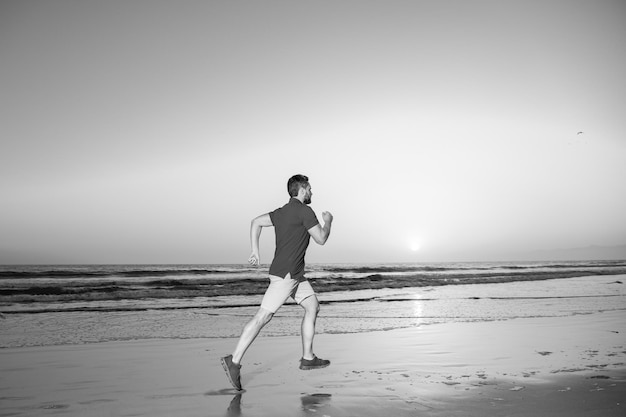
(328, 218)
(254, 259)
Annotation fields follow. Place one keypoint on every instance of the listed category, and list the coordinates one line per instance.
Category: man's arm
(263, 220)
(320, 234)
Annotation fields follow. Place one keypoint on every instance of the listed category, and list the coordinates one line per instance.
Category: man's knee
(263, 316)
(311, 305)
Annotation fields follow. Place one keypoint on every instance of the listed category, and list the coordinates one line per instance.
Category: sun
(414, 245)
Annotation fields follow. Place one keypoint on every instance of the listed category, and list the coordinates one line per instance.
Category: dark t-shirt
(291, 223)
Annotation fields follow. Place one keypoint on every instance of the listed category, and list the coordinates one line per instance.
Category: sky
(152, 131)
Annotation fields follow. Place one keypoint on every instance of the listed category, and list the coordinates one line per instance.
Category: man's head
(298, 185)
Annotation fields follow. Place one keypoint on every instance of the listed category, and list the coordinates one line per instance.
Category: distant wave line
(13, 274)
(138, 271)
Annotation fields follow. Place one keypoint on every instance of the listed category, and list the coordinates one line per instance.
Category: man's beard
(307, 199)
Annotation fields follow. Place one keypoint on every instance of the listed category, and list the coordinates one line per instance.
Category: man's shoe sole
(310, 367)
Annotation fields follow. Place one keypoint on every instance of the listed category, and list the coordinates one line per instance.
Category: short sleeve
(308, 218)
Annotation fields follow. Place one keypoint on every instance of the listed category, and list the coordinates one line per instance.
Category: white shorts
(281, 289)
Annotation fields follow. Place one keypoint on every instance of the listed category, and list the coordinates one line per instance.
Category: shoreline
(555, 366)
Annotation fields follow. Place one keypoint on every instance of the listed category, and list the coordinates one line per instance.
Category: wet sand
(555, 366)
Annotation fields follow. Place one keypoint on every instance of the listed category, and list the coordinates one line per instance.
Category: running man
(294, 224)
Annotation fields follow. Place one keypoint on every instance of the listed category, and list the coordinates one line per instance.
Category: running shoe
(233, 371)
(315, 363)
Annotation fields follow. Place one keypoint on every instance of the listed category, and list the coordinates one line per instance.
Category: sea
(44, 305)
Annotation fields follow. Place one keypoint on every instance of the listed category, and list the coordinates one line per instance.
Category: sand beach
(560, 366)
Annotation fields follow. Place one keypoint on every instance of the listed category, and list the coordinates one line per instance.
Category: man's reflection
(234, 408)
(312, 402)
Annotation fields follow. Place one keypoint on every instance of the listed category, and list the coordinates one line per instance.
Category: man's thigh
(279, 291)
(304, 292)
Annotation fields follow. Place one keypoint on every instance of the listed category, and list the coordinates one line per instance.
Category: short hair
(295, 183)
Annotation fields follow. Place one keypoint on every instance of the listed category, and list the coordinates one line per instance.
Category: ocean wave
(176, 283)
(139, 271)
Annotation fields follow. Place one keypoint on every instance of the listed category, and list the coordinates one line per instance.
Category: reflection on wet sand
(234, 408)
(311, 402)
